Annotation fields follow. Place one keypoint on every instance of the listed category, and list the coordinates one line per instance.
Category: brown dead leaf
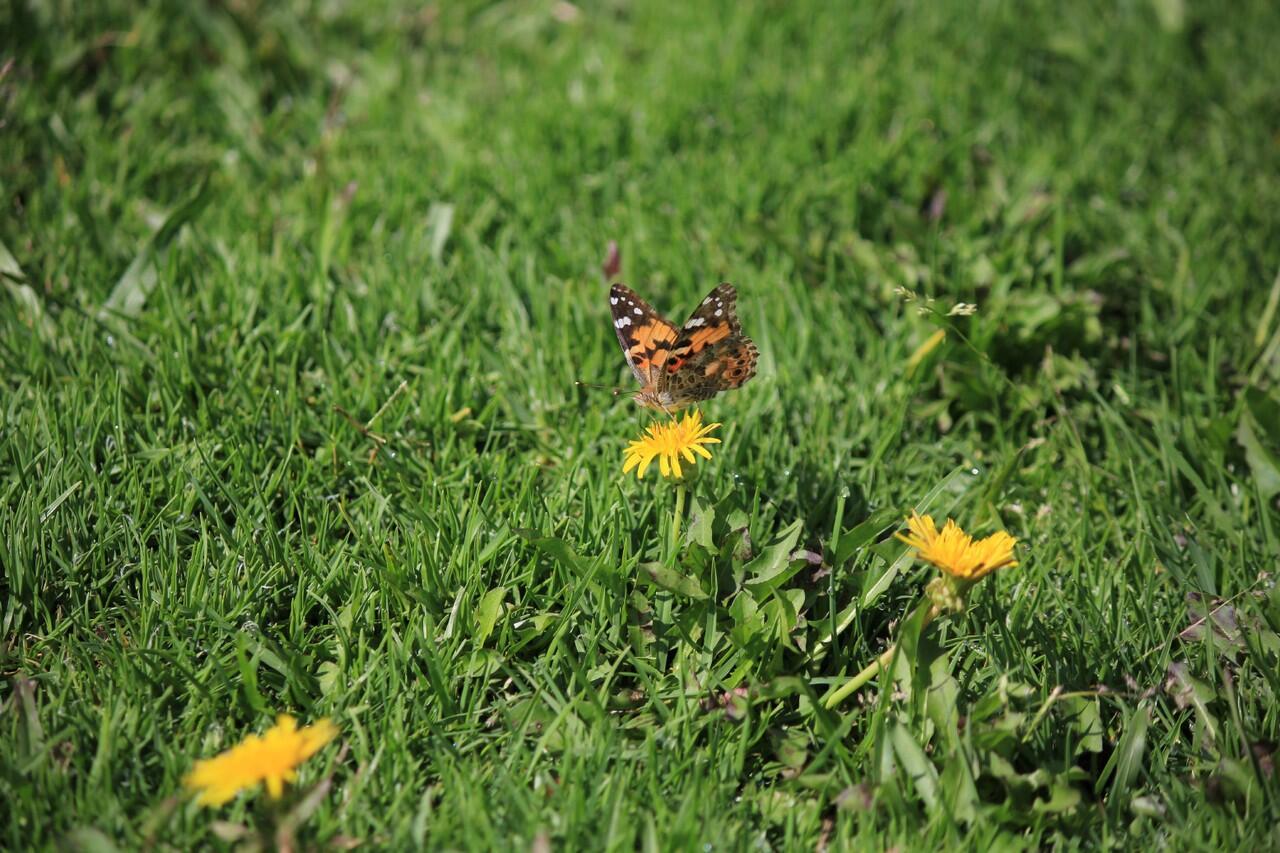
(612, 261)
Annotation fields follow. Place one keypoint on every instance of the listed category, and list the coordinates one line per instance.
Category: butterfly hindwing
(720, 366)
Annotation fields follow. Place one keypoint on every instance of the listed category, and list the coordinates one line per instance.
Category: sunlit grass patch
(294, 301)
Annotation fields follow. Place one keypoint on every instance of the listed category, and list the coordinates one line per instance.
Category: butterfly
(676, 367)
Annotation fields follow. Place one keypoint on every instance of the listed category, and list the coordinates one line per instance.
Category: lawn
(293, 299)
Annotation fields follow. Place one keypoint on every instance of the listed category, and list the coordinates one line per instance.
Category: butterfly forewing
(713, 322)
(722, 302)
(645, 336)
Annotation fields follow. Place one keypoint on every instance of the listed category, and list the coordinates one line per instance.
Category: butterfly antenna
(616, 391)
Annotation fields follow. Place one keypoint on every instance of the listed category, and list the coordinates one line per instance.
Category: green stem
(868, 672)
(675, 521)
(872, 669)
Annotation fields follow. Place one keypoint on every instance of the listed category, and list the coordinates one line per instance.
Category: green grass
(241, 233)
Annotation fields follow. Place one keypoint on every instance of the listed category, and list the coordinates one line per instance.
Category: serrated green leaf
(905, 660)
(747, 623)
(328, 674)
(941, 690)
(1063, 797)
(785, 606)
(1186, 689)
(701, 518)
(773, 566)
(959, 788)
(557, 549)
(923, 775)
(672, 581)
(1084, 717)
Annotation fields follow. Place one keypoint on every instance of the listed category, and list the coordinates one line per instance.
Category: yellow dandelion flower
(668, 443)
(272, 758)
(955, 552)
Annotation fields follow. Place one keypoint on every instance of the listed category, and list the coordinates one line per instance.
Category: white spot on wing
(622, 322)
(696, 321)
(639, 313)
(613, 300)
(719, 311)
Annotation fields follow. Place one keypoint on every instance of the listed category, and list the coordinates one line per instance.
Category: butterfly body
(680, 366)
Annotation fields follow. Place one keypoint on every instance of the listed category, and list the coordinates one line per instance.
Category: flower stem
(874, 668)
(675, 521)
(868, 672)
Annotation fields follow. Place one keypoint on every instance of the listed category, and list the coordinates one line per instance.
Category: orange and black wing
(647, 339)
(711, 354)
(719, 367)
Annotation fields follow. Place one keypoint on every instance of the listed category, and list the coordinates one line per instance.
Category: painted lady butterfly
(709, 354)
